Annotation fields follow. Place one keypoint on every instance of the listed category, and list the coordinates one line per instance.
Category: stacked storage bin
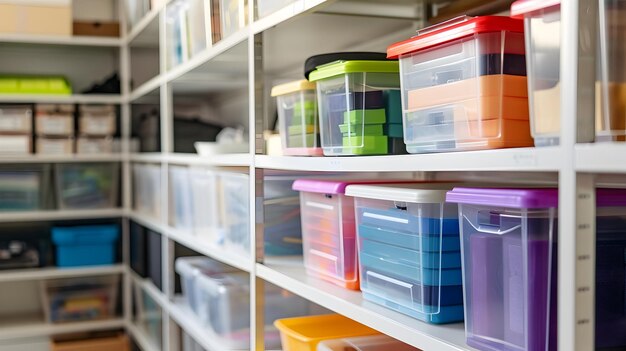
(87, 185)
(16, 126)
(543, 24)
(305, 333)
(409, 250)
(509, 266)
(359, 105)
(297, 114)
(328, 230)
(464, 86)
(96, 126)
(54, 126)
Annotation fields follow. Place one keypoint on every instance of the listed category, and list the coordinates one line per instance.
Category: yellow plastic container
(304, 333)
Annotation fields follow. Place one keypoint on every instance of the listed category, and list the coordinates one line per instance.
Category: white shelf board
(291, 275)
(33, 326)
(286, 13)
(182, 314)
(147, 157)
(146, 88)
(224, 160)
(62, 99)
(141, 337)
(601, 157)
(61, 40)
(57, 215)
(55, 273)
(75, 158)
(221, 254)
(522, 159)
(151, 223)
(148, 286)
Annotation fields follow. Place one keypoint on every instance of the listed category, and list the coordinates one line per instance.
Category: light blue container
(85, 245)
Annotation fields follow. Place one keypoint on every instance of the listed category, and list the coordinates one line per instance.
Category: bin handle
(444, 24)
(491, 229)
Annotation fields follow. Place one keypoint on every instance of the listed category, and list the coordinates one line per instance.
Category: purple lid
(610, 197)
(335, 186)
(515, 198)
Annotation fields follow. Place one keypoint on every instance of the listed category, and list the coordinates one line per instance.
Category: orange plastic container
(117, 343)
(304, 333)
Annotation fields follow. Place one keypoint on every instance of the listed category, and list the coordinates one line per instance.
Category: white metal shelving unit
(574, 165)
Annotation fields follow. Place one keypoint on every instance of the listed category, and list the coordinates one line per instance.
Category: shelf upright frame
(576, 242)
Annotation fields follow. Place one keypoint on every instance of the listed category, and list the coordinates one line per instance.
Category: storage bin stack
(509, 252)
(220, 298)
(305, 333)
(74, 300)
(96, 126)
(464, 86)
(16, 125)
(409, 249)
(359, 104)
(54, 126)
(297, 114)
(543, 24)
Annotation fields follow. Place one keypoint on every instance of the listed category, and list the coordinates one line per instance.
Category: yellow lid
(292, 87)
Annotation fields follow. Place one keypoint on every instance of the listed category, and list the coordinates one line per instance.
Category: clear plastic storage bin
(79, 299)
(328, 230)
(181, 213)
(189, 268)
(464, 86)
(305, 333)
(282, 226)
(610, 309)
(236, 211)
(509, 266)
(409, 250)
(205, 196)
(224, 300)
(297, 114)
(359, 106)
(22, 189)
(87, 185)
(365, 343)
(147, 189)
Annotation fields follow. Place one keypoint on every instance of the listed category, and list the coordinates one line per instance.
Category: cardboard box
(94, 145)
(15, 144)
(61, 124)
(36, 17)
(97, 124)
(96, 28)
(55, 146)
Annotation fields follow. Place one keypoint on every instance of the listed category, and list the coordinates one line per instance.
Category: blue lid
(93, 234)
(515, 198)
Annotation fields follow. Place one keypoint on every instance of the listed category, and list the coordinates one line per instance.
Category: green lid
(342, 67)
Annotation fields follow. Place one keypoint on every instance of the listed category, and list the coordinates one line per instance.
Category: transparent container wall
(181, 216)
(410, 258)
(149, 317)
(147, 189)
(543, 41)
(64, 299)
(282, 228)
(329, 238)
(224, 301)
(611, 86)
(82, 186)
(236, 211)
(353, 116)
(205, 199)
(22, 190)
(510, 277)
(298, 123)
(267, 7)
(468, 94)
(233, 16)
(610, 277)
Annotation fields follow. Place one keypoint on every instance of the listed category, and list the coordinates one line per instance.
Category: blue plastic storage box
(85, 245)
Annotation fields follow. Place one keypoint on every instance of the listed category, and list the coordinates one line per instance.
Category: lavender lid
(515, 198)
(610, 197)
(334, 186)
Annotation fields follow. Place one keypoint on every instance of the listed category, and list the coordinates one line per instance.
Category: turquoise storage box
(85, 245)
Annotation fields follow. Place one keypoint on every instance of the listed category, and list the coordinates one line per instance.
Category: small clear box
(87, 185)
(181, 209)
(236, 211)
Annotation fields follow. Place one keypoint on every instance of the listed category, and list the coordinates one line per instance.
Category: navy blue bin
(85, 245)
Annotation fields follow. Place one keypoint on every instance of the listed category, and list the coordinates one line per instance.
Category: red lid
(452, 30)
(524, 7)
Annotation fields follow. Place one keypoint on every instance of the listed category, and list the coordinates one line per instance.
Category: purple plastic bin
(509, 267)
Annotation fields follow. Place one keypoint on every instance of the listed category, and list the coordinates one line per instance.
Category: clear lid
(412, 193)
(292, 87)
(512, 198)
